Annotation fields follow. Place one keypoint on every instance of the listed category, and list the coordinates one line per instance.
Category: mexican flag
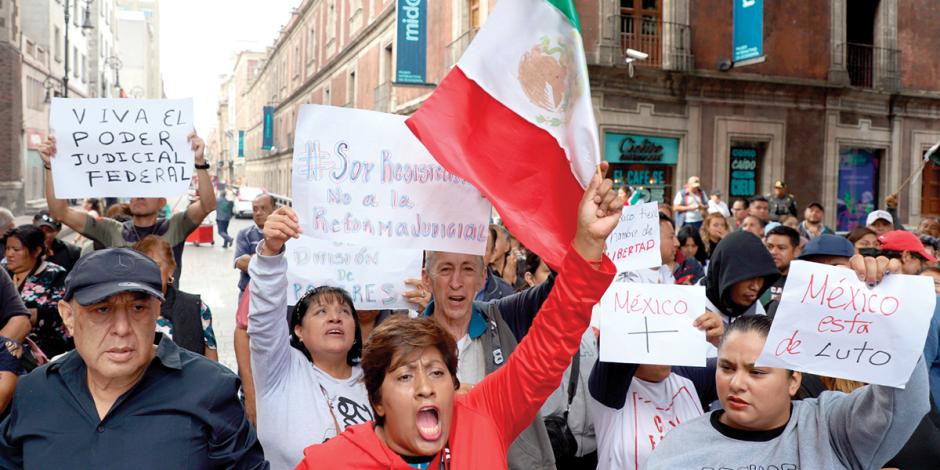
(514, 117)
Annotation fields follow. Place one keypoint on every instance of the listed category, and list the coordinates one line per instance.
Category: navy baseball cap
(104, 273)
(828, 245)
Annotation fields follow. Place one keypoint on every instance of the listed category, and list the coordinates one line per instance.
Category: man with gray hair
(7, 221)
(119, 400)
(486, 334)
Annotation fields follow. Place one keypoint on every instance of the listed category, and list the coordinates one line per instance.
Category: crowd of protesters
(109, 362)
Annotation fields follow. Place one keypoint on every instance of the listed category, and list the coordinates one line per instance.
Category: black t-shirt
(64, 254)
(11, 304)
(776, 290)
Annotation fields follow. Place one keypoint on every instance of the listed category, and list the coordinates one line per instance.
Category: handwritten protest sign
(362, 177)
(830, 323)
(634, 244)
(652, 324)
(374, 277)
(121, 147)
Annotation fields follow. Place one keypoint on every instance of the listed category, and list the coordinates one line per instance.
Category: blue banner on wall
(267, 141)
(412, 42)
(748, 39)
(241, 144)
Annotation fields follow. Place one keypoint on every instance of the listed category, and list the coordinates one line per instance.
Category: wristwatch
(204, 166)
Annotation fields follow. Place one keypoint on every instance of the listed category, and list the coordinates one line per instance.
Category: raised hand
(713, 326)
(419, 296)
(598, 216)
(198, 146)
(48, 150)
(282, 225)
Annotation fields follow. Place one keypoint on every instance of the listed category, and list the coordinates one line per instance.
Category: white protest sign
(634, 244)
(652, 324)
(121, 147)
(362, 177)
(373, 277)
(830, 323)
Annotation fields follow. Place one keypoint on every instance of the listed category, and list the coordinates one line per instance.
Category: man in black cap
(812, 225)
(59, 252)
(119, 400)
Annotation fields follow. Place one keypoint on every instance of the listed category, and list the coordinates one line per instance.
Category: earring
(171, 280)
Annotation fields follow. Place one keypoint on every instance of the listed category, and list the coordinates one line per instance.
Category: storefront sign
(748, 47)
(630, 148)
(241, 144)
(412, 41)
(858, 187)
(743, 182)
(267, 141)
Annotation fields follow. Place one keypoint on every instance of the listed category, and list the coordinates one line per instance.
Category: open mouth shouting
(429, 423)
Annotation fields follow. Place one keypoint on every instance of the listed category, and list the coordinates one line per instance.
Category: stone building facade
(842, 108)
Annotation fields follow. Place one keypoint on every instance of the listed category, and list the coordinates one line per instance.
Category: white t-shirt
(626, 437)
(720, 207)
(471, 364)
(690, 199)
(660, 275)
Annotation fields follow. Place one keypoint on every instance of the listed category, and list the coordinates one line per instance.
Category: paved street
(208, 271)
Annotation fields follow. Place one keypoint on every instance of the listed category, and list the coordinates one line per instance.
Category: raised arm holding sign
(112, 165)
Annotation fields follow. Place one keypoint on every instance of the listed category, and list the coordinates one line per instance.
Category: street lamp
(115, 64)
(86, 25)
(50, 84)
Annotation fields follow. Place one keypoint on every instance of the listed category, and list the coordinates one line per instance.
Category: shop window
(474, 14)
(745, 169)
(643, 163)
(859, 177)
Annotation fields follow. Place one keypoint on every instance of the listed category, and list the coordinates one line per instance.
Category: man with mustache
(119, 400)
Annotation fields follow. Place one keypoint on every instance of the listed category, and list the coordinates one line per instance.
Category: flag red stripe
(518, 166)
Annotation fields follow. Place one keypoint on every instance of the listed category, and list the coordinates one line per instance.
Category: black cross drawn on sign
(646, 331)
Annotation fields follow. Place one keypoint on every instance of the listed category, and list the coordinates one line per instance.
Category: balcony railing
(456, 48)
(669, 45)
(872, 67)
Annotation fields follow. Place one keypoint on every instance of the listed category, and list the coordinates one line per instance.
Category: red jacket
(488, 419)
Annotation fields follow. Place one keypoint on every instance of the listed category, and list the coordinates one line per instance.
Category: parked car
(243, 199)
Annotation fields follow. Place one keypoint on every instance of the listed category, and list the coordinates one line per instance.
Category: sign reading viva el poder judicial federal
(121, 147)
(830, 323)
(361, 177)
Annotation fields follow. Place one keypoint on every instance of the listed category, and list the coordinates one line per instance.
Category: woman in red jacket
(410, 370)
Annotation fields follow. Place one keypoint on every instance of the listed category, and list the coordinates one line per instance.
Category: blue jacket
(932, 353)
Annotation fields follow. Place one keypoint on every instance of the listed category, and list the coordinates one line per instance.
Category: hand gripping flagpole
(920, 169)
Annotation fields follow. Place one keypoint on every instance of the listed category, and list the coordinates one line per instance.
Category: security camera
(633, 54)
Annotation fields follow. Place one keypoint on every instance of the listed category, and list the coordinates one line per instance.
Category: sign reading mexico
(373, 277)
(830, 323)
(652, 324)
(362, 177)
(121, 147)
(634, 244)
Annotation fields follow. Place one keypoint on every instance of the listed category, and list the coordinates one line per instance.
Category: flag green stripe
(566, 7)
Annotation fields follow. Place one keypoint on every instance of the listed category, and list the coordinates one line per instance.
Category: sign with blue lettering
(267, 141)
(241, 144)
(748, 47)
(630, 148)
(412, 41)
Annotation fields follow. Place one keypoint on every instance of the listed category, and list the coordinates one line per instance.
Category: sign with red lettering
(362, 177)
(830, 323)
(652, 324)
(121, 147)
(634, 244)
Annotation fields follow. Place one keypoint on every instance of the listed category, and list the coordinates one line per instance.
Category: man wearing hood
(739, 272)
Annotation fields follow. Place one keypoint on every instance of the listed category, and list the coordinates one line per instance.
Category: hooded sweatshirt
(738, 257)
(486, 420)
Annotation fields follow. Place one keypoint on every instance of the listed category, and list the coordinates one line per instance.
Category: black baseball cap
(43, 218)
(104, 273)
(817, 205)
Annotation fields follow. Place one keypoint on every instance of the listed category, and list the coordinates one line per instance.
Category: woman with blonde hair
(714, 228)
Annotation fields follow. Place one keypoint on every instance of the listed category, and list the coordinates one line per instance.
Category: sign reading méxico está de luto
(121, 147)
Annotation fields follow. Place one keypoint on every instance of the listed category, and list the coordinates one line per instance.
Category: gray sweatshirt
(298, 404)
(860, 430)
